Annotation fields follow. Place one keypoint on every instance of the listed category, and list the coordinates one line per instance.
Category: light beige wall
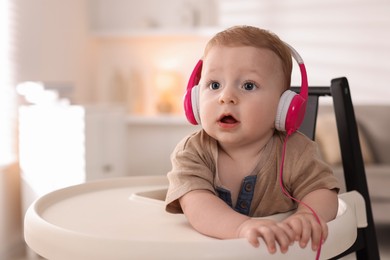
(335, 38)
(53, 43)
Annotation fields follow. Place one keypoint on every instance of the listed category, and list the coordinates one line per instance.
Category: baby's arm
(213, 217)
(325, 204)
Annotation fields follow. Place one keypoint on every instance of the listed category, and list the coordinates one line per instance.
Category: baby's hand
(270, 231)
(306, 227)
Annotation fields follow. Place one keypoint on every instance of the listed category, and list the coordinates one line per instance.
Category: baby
(226, 175)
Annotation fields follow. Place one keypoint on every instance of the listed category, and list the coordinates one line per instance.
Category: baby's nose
(228, 96)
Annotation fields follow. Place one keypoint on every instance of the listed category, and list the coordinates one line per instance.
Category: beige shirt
(194, 167)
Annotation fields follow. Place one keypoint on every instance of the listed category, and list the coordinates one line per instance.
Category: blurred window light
(52, 146)
(35, 93)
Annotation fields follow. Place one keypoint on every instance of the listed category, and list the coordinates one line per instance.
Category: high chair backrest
(365, 246)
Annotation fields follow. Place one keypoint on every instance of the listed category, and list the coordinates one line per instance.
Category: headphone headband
(304, 82)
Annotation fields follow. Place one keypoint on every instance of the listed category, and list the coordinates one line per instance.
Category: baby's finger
(282, 237)
(253, 238)
(316, 233)
(288, 231)
(296, 225)
(306, 232)
(268, 236)
(325, 233)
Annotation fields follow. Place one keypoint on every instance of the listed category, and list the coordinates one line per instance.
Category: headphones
(291, 107)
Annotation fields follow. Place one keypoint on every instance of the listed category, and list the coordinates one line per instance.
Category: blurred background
(93, 89)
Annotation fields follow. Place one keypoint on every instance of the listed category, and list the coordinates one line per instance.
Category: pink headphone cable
(291, 197)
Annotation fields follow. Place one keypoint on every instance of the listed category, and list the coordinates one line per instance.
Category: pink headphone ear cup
(188, 108)
(290, 113)
(295, 114)
(191, 97)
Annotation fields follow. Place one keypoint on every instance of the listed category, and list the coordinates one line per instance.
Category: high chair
(125, 218)
(366, 245)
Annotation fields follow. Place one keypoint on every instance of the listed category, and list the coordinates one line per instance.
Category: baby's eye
(214, 85)
(249, 86)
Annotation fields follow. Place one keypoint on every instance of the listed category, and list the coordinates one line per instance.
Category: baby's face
(239, 93)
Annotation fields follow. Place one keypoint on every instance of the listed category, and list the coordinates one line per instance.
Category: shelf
(157, 120)
(158, 32)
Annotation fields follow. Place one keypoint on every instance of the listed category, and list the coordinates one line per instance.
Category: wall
(53, 44)
(335, 38)
(347, 38)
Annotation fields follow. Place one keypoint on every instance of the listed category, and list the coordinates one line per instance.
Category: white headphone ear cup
(195, 102)
(283, 107)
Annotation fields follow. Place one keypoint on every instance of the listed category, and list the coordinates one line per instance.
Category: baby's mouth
(228, 119)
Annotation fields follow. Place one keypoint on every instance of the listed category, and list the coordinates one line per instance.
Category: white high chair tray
(125, 218)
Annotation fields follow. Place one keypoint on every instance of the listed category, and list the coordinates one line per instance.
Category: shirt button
(243, 204)
(248, 187)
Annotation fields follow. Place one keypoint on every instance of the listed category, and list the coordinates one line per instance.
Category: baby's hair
(258, 38)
